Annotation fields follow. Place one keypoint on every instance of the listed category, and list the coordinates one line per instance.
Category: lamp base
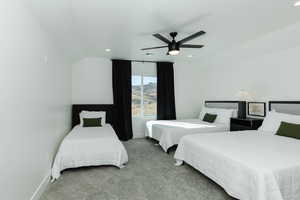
(242, 110)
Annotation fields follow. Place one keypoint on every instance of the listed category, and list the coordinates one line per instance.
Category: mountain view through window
(144, 97)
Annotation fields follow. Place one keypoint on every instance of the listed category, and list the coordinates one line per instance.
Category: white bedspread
(169, 133)
(91, 146)
(249, 165)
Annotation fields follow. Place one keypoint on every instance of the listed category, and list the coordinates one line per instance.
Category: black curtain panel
(165, 91)
(121, 70)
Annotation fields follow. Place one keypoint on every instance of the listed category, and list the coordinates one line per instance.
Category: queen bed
(90, 146)
(249, 165)
(169, 132)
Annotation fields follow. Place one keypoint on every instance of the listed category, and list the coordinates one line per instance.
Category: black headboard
(239, 105)
(77, 108)
(290, 107)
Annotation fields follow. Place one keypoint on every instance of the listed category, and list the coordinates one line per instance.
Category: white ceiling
(85, 28)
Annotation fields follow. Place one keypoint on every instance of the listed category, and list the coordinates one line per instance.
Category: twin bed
(169, 132)
(90, 146)
(249, 165)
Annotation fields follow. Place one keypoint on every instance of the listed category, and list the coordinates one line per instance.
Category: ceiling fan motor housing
(173, 46)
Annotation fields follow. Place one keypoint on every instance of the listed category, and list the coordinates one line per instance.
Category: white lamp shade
(243, 95)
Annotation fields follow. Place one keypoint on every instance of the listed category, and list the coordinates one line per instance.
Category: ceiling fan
(173, 46)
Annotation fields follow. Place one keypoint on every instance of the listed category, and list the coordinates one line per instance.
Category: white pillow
(93, 114)
(223, 115)
(273, 120)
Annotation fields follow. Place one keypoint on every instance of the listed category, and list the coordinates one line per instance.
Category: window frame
(142, 112)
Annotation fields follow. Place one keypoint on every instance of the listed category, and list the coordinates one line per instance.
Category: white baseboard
(42, 187)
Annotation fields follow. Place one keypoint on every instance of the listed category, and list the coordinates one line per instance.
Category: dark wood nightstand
(237, 124)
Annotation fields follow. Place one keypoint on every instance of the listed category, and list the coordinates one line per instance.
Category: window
(144, 96)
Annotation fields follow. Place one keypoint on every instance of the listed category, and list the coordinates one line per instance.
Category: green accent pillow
(289, 130)
(92, 122)
(209, 117)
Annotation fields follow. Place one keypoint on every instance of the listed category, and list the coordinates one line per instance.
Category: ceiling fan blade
(154, 48)
(191, 37)
(162, 38)
(191, 46)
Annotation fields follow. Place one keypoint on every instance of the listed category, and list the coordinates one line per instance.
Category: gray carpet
(149, 175)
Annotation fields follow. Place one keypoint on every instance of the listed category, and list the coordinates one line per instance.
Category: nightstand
(237, 124)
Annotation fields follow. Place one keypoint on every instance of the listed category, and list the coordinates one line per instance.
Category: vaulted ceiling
(85, 28)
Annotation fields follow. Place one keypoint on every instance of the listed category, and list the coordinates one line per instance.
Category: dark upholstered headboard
(240, 106)
(289, 107)
(222, 104)
(108, 108)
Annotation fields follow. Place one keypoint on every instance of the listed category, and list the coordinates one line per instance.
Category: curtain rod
(146, 61)
(143, 61)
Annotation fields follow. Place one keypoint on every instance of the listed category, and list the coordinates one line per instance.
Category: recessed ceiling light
(297, 4)
(107, 50)
(190, 56)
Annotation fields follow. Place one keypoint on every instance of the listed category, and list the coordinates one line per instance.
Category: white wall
(92, 81)
(35, 85)
(267, 67)
(187, 89)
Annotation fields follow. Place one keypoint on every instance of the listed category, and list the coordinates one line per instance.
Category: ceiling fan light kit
(174, 52)
(173, 46)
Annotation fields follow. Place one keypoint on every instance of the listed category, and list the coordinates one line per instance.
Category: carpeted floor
(149, 175)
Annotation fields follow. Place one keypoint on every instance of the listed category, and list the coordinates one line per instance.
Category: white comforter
(249, 165)
(91, 146)
(169, 133)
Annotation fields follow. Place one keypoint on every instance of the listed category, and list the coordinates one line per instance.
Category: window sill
(145, 117)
